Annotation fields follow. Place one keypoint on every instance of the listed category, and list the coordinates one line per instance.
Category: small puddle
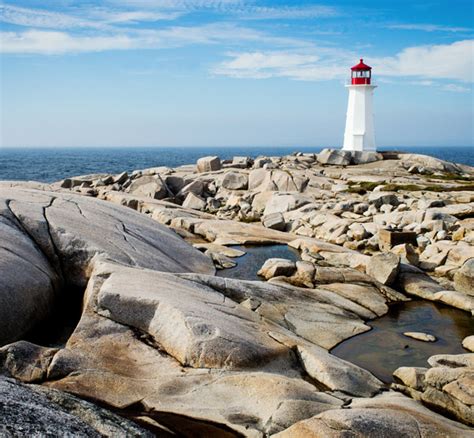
(384, 348)
(249, 264)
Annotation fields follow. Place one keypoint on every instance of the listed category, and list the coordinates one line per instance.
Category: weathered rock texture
(29, 410)
(49, 240)
(448, 386)
(166, 343)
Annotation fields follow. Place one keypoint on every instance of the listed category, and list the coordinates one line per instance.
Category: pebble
(420, 336)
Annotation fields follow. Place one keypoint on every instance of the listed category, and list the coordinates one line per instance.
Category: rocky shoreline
(179, 351)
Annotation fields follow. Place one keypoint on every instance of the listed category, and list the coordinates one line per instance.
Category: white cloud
(286, 12)
(245, 8)
(104, 28)
(263, 64)
(293, 65)
(58, 42)
(450, 61)
(429, 27)
(54, 42)
(178, 4)
(40, 18)
(120, 17)
(95, 18)
(134, 11)
(443, 61)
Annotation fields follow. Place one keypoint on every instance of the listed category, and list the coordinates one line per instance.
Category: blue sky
(232, 72)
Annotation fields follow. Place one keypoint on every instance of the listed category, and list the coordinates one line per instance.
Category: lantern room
(361, 74)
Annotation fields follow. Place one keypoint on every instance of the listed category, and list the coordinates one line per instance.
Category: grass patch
(363, 187)
(431, 188)
(449, 176)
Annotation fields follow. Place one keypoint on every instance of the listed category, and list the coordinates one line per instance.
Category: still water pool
(249, 264)
(384, 348)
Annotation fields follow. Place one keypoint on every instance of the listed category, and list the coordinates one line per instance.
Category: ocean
(53, 164)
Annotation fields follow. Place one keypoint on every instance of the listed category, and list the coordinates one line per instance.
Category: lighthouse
(359, 134)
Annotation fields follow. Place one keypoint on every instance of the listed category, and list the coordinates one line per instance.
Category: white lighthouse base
(359, 134)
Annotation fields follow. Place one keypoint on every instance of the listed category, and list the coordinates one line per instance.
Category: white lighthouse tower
(359, 134)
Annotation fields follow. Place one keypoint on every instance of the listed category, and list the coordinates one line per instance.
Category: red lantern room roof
(361, 66)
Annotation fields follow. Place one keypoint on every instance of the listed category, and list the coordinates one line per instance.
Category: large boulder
(276, 267)
(448, 386)
(235, 181)
(432, 163)
(281, 203)
(227, 232)
(364, 157)
(151, 186)
(275, 221)
(413, 377)
(242, 161)
(194, 202)
(195, 187)
(261, 180)
(334, 156)
(381, 198)
(175, 183)
(338, 374)
(208, 164)
(384, 267)
(464, 278)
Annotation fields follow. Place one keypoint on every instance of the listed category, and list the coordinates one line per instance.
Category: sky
(232, 72)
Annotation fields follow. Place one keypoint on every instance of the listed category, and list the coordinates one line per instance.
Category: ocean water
(53, 164)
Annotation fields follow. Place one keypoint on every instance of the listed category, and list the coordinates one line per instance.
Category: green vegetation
(430, 188)
(364, 187)
(449, 176)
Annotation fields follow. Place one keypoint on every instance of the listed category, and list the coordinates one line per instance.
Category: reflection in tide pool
(249, 264)
(383, 349)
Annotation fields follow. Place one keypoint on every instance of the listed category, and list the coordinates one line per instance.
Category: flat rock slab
(221, 249)
(196, 325)
(320, 316)
(225, 232)
(50, 238)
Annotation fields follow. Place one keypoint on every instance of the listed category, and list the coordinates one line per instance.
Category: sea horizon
(55, 163)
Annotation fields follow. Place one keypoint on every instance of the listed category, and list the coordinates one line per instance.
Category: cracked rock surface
(49, 239)
(167, 344)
